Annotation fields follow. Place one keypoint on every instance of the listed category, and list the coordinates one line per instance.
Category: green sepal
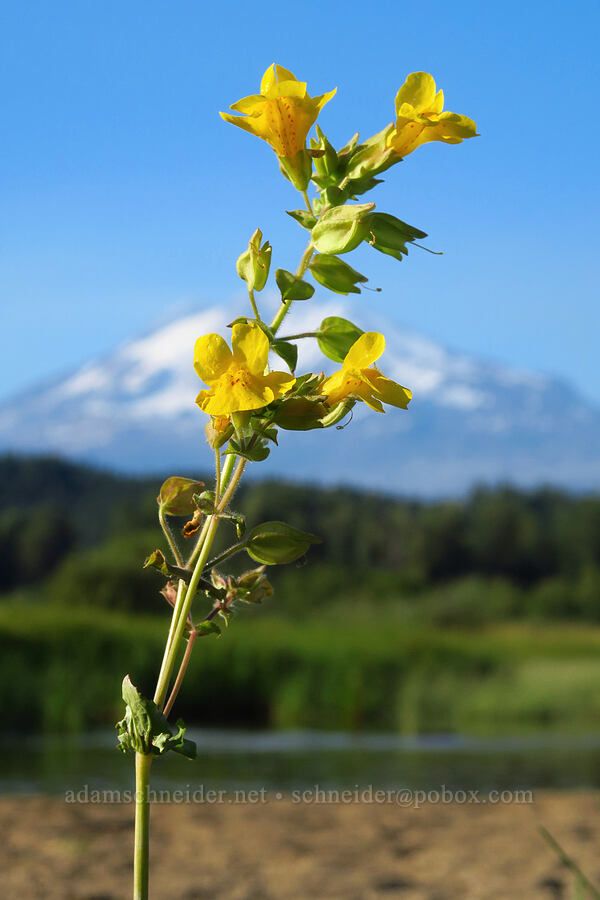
(275, 543)
(327, 163)
(297, 169)
(292, 287)
(303, 217)
(335, 274)
(176, 495)
(300, 414)
(253, 265)
(205, 502)
(335, 337)
(144, 729)
(333, 196)
(288, 352)
(358, 186)
(390, 235)
(341, 229)
(257, 453)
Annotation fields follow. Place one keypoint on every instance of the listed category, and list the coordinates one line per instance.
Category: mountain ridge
(470, 420)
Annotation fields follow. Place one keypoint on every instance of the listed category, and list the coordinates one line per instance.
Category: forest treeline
(76, 535)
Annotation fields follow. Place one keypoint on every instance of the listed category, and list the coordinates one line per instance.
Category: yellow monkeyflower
(360, 378)
(237, 380)
(419, 117)
(282, 114)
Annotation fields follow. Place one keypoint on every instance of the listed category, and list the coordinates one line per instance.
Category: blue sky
(126, 199)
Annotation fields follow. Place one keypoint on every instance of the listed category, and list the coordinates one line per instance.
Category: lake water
(292, 760)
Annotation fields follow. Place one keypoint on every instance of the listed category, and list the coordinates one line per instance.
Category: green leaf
(287, 351)
(146, 730)
(157, 561)
(274, 543)
(205, 628)
(335, 274)
(257, 453)
(341, 229)
(335, 337)
(292, 287)
(303, 217)
(176, 495)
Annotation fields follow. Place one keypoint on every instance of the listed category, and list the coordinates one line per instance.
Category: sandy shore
(281, 850)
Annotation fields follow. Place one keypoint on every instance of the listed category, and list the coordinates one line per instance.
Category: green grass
(61, 669)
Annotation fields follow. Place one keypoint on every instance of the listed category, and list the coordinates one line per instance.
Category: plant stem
(303, 334)
(225, 479)
(307, 201)
(163, 676)
(569, 863)
(285, 307)
(182, 669)
(169, 536)
(143, 761)
(253, 305)
(217, 475)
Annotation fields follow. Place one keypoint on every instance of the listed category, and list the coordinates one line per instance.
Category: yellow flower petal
(212, 357)
(250, 124)
(365, 350)
(249, 105)
(366, 395)
(418, 90)
(284, 74)
(250, 347)
(333, 387)
(236, 395)
(295, 89)
(320, 101)
(268, 79)
(387, 390)
(279, 382)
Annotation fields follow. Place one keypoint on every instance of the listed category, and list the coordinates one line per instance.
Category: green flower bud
(372, 157)
(253, 265)
(335, 274)
(390, 235)
(274, 543)
(176, 497)
(341, 229)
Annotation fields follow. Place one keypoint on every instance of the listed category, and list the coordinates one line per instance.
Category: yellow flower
(419, 117)
(282, 113)
(358, 377)
(237, 380)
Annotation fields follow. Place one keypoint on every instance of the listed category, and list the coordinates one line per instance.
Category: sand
(283, 850)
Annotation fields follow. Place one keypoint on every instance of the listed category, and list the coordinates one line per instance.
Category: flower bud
(253, 265)
(341, 229)
(274, 543)
(389, 234)
(176, 495)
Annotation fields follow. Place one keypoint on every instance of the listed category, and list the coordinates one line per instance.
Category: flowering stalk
(247, 401)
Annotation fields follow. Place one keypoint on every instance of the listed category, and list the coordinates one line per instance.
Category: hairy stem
(169, 536)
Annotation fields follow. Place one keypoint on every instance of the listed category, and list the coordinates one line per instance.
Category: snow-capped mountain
(469, 421)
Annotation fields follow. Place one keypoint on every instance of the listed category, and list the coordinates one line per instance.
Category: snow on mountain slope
(469, 420)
